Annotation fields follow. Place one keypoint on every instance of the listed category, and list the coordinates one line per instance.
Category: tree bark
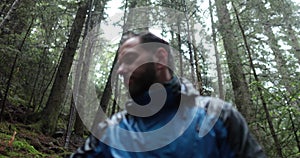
(54, 69)
(219, 70)
(74, 118)
(9, 13)
(50, 113)
(107, 93)
(37, 76)
(294, 129)
(79, 126)
(105, 98)
(81, 77)
(13, 69)
(240, 87)
(180, 52)
(197, 65)
(187, 18)
(70, 122)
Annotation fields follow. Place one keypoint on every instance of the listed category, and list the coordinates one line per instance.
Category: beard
(141, 79)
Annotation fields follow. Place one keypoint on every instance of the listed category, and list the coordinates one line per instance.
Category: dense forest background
(53, 52)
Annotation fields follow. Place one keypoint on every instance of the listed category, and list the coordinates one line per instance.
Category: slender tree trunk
(9, 13)
(82, 73)
(79, 126)
(260, 90)
(105, 97)
(8, 84)
(76, 94)
(51, 112)
(92, 22)
(36, 109)
(295, 130)
(117, 90)
(107, 93)
(41, 89)
(189, 44)
(219, 69)
(4, 2)
(37, 76)
(6, 93)
(196, 57)
(180, 53)
(70, 122)
(74, 117)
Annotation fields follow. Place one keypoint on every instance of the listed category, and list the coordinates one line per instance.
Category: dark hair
(148, 37)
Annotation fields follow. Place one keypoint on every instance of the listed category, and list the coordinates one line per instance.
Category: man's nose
(122, 69)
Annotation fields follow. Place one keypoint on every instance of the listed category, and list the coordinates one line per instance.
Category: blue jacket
(188, 125)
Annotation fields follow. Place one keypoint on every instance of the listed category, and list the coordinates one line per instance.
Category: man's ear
(161, 58)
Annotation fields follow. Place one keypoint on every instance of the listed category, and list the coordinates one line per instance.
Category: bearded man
(165, 116)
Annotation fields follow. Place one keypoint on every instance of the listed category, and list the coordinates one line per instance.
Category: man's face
(136, 66)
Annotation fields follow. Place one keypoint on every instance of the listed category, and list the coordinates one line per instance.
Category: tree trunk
(189, 44)
(81, 77)
(107, 93)
(37, 76)
(105, 97)
(13, 69)
(79, 126)
(294, 129)
(240, 87)
(4, 5)
(219, 69)
(36, 109)
(49, 115)
(196, 57)
(74, 118)
(180, 53)
(70, 122)
(8, 84)
(9, 13)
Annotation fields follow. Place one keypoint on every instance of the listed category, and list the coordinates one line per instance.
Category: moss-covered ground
(29, 143)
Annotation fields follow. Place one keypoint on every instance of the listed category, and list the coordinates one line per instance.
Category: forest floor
(20, 140)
